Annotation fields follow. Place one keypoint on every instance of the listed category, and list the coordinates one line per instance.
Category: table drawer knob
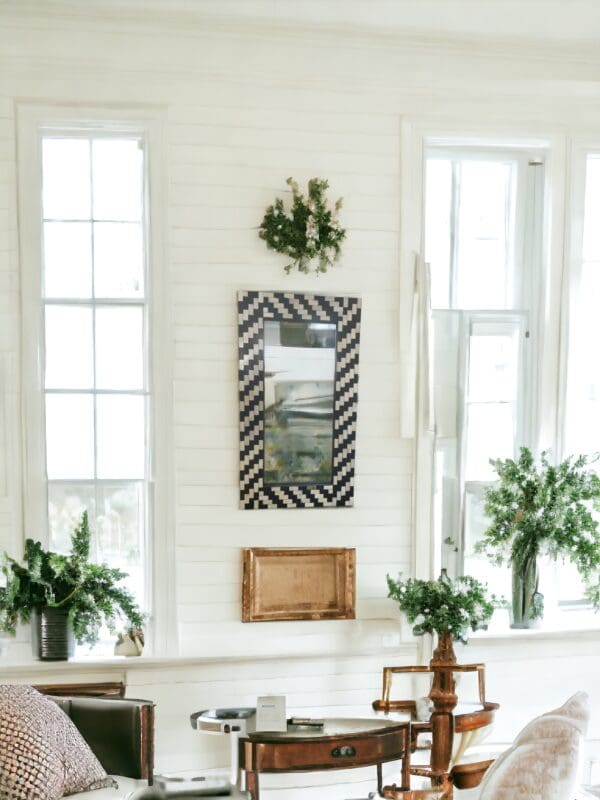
(345, 751)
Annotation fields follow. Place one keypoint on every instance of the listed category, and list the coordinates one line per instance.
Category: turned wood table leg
(252, 784)
(406, 764)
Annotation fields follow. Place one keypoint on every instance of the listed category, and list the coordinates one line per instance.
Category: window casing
(525, 324)
(482, 216)
(34, 121)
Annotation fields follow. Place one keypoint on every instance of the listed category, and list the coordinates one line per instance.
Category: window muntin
(95, 313)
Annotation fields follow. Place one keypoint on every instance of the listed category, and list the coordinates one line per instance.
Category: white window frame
(580, 148)
(32, 121)
(417, 134)
(523, 422)
(458, 150)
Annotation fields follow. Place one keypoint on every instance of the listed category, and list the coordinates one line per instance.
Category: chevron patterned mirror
(298, 395)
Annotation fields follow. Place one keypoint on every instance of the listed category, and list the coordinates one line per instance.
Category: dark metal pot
(54, 634)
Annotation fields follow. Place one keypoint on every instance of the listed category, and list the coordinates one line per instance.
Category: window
(582, 421)
(491, 324)
(482, 221)
(581, 424)
(95, 344)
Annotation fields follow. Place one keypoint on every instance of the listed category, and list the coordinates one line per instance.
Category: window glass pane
(69, 436)
(68, 259)
(493, 361)
(119, 530)
(476, 523)
(66, 504)
(583, 414)
(66, 182)
(591, 229)
(69, 347)
(117, 173)
(570, 586)
(438, 196)
(582, 424)
(121, 436)
(118, 260)
(490, 434)
(117, 525)
(484, 235)
(119, 348)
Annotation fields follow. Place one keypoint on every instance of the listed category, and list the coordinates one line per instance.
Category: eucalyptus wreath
(89, 592)
(444, 605)
(309, 233)
(545, 509)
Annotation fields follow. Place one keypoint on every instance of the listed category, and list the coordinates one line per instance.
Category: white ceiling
(566, 22)
(559, 20)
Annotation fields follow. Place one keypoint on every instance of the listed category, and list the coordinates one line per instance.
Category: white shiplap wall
(9, 333)
(244, 107)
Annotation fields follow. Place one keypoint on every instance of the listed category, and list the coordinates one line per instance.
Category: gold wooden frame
(295, 584)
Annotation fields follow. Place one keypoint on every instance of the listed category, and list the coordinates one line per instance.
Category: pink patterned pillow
(42, 754)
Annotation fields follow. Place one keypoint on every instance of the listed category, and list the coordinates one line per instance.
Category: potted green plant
(542, 510)
(450, 608)
(70, 596)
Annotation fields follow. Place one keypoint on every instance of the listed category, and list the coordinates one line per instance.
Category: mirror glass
(299, 380)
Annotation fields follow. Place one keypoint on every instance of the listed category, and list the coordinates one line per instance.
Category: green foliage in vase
(444, 605)
(309, 233)
(545, 509)
(90, 592)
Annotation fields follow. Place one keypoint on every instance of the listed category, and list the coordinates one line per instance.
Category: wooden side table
(340, 744)
(448, 719)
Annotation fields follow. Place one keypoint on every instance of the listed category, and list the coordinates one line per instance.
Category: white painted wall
(245, 106)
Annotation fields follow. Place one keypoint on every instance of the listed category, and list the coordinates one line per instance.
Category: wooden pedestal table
(339, 744)
(447, 720)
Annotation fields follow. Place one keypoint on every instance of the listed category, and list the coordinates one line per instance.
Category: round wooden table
(339, 744)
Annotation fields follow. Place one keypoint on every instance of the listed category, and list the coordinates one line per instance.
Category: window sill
(563, 624)
(121, 664)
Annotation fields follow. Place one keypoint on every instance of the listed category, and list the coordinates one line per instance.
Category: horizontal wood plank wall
(231, 139)
(245, 108)
(9, 331)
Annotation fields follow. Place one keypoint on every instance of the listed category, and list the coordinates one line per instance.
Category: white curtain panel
(416, 388)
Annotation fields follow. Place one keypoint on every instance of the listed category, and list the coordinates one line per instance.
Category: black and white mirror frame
(344, 312)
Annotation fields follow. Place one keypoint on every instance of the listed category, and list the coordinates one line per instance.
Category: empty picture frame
(298, 392)
(292, 583)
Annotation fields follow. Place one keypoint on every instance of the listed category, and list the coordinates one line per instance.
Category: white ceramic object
(129, 644)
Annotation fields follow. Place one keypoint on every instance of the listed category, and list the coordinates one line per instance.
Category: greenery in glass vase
(309, 233)
(545, 509)
(89, 592)
(443, 605)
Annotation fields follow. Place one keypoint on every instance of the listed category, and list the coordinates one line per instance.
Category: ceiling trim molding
(159, 15)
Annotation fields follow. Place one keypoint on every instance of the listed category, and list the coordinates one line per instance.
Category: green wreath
(309, 232)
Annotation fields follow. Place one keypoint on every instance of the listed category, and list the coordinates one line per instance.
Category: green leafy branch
(444, 605)
(545, 509)
(90, 592)
(309, 232)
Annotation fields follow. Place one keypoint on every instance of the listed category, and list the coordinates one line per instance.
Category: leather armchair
(120, 732)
